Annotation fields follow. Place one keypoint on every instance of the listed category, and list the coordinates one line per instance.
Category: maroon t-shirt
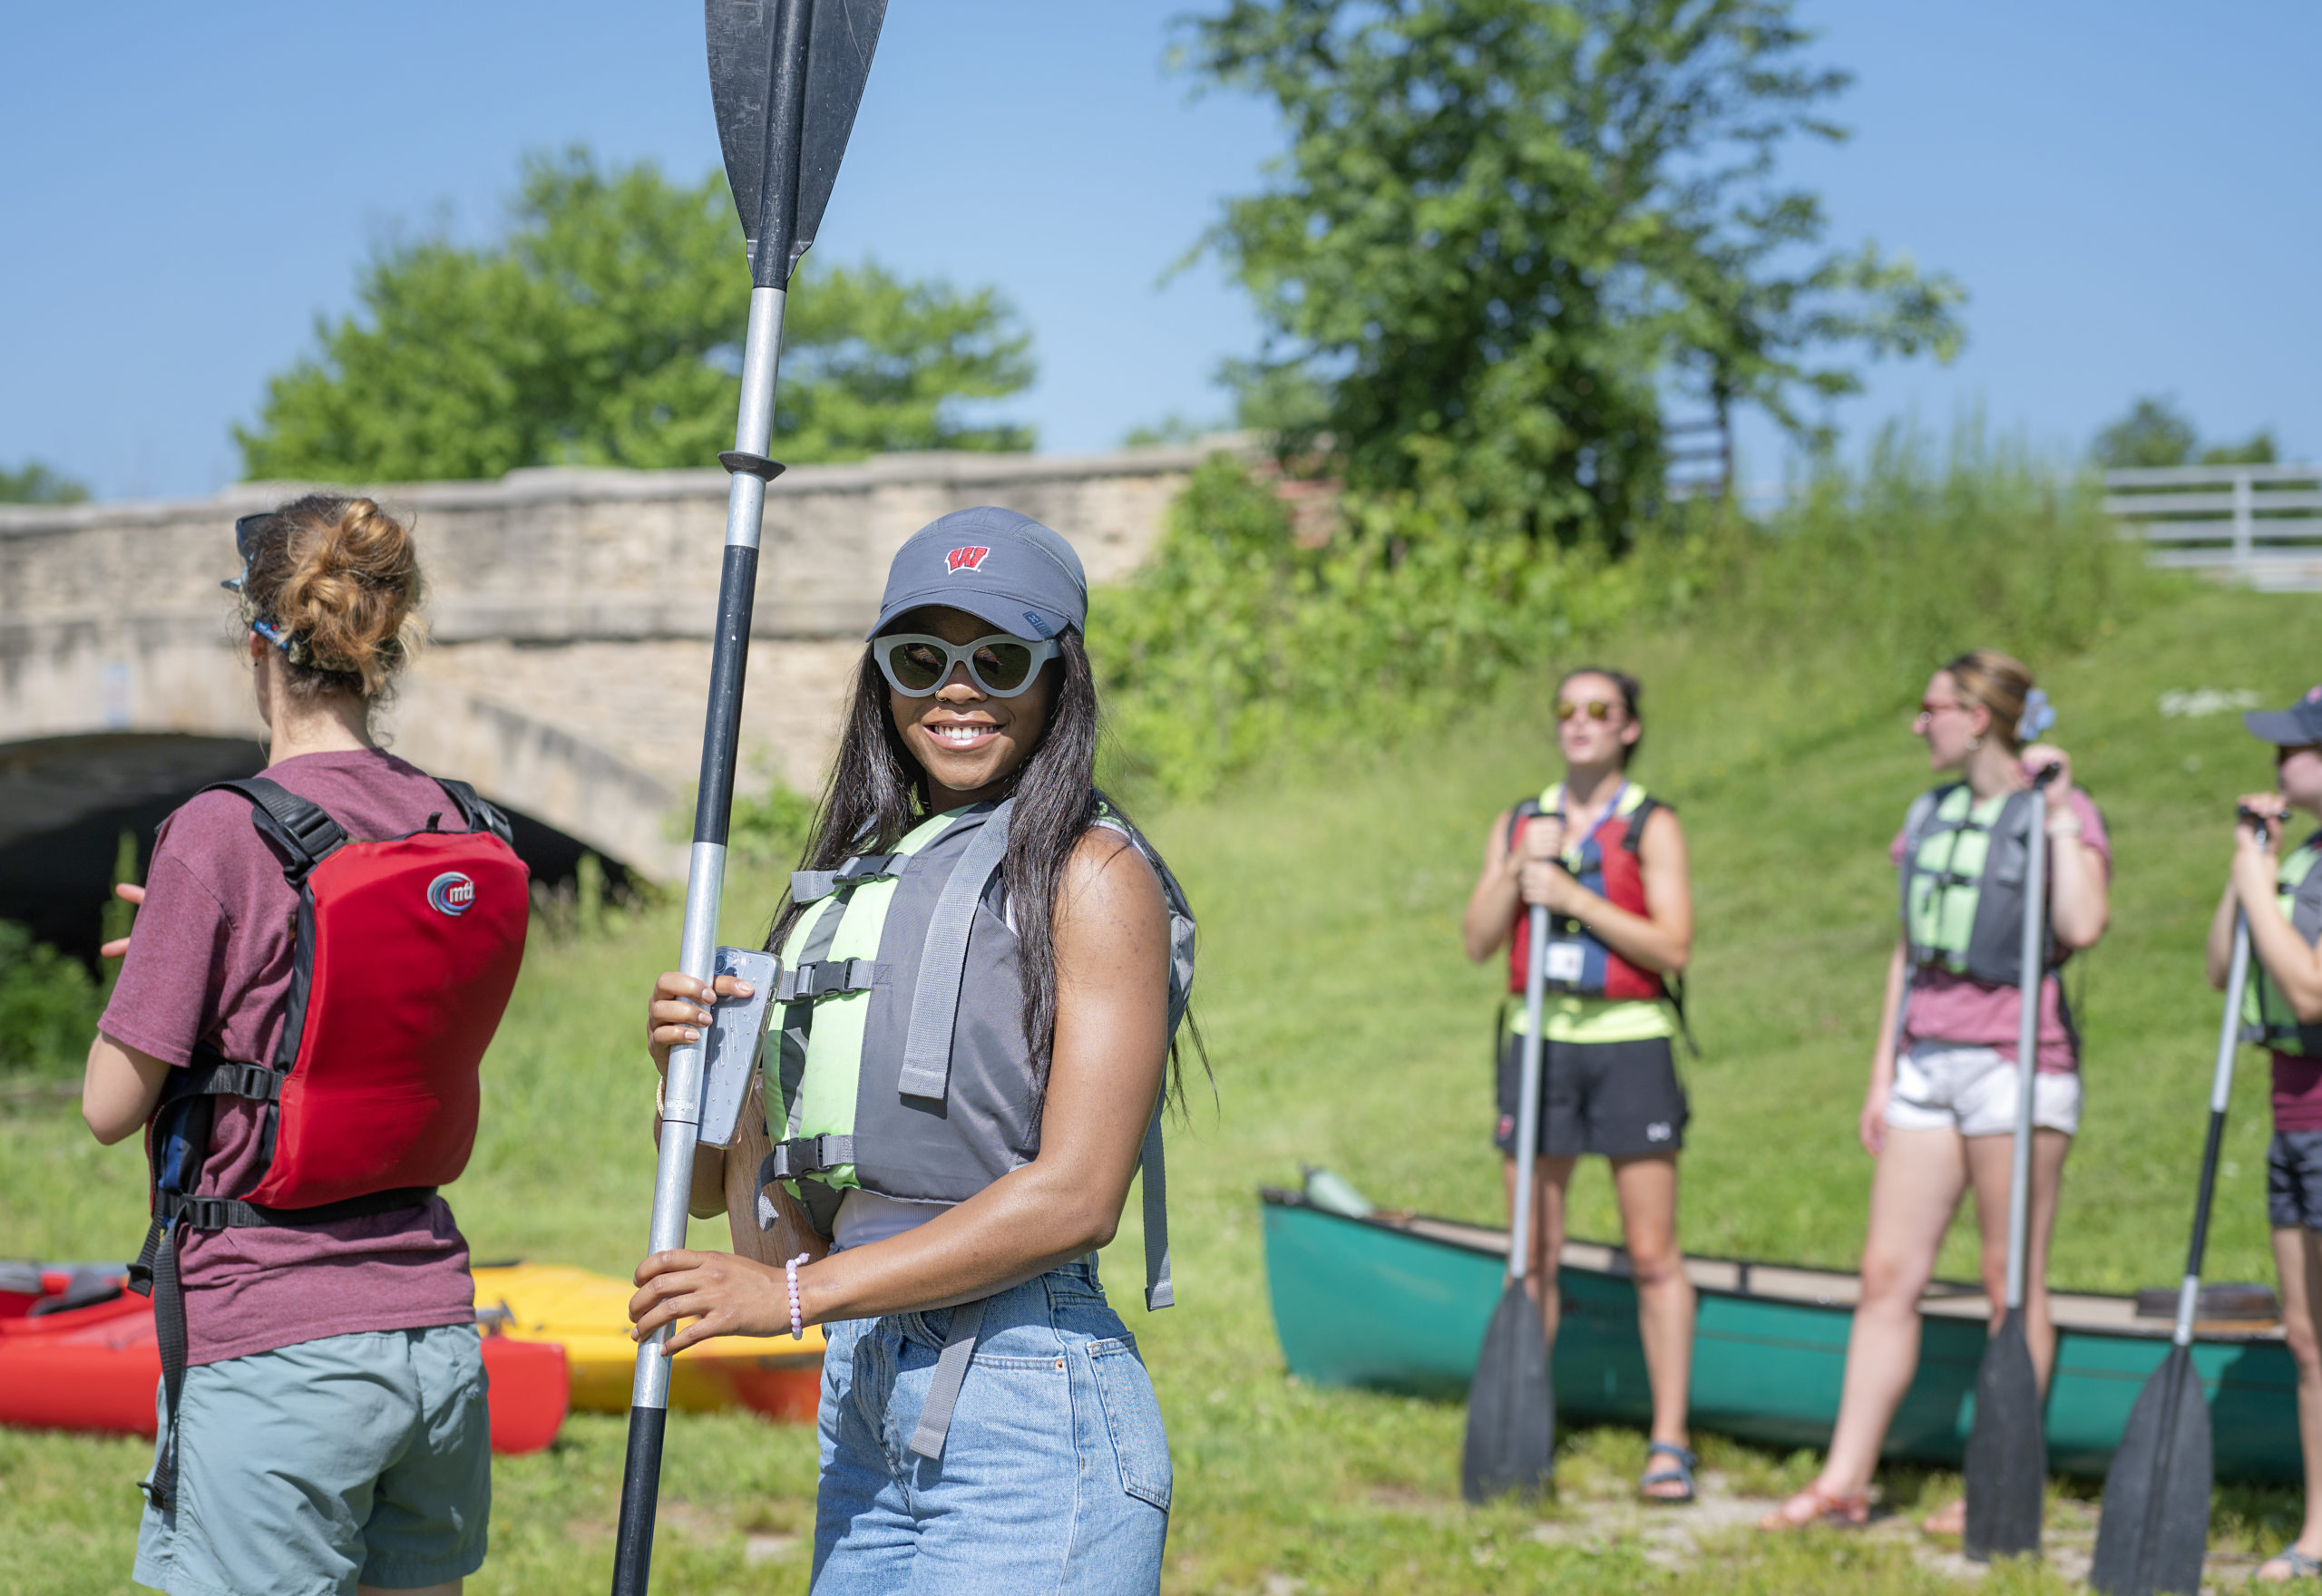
(2298, 1093)
(211, 961)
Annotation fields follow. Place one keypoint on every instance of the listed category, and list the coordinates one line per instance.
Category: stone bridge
(569, 615)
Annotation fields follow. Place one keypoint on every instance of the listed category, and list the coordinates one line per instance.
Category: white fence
(2258, 524)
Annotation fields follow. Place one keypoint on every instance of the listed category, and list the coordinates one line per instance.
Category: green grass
(1347, 1030)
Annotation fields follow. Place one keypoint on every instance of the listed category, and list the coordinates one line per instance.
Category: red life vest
(407, 950)
(1607, 862)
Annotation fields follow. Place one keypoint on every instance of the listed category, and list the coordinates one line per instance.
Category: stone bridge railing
(569, 612)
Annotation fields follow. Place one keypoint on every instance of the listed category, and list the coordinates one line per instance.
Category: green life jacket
(1963, 869)
(2267, 1017)
(902, 1067)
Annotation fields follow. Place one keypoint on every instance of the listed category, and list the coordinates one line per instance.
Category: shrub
(48, 1006)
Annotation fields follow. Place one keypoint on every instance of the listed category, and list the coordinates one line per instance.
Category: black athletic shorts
(1615, 1099)
(2293, 1179)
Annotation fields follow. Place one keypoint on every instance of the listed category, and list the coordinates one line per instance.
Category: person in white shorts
(1941, 1113)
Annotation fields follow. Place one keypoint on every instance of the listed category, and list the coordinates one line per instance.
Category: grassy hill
(1347, 1029)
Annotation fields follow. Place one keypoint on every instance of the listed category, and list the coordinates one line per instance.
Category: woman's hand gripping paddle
(786, 77)
(1512, 1406)
(2006, 1464)
(2155, 1530)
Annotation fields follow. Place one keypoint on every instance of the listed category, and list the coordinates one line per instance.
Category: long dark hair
(878, 792)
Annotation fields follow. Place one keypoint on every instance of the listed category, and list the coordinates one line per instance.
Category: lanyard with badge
(1566, 959)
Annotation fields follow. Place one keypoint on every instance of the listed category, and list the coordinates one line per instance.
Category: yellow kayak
(587, 1313)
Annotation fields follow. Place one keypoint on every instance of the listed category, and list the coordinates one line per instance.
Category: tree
(1505, 231)
(604, 328)
(2155, 433)
(35, 483)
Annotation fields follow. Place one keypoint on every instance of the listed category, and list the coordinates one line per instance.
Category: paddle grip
(640, 1485)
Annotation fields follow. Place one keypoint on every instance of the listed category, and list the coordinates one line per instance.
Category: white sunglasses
(916, 664)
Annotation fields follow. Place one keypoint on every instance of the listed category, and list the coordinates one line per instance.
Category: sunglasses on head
(1595, 709)
(245, 529)
(916, 664)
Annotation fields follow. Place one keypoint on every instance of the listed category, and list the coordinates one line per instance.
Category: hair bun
(343, 583)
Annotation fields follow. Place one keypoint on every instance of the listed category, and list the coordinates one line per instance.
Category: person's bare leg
(1647, 1191)
(1991, 1163)
(1551, 1182)
(2297, 1254)
(1914, 1193)
(1990, 1167)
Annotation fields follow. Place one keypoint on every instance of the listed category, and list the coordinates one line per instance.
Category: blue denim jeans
(1055, 1477)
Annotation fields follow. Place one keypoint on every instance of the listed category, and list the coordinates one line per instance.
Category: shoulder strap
(299, 829)
(480, 815)
(943, 959)
(1632, 840)
(1522, 810)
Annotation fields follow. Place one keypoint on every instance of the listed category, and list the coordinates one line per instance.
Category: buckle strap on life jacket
(804, 1156)
(226, 1077)
(951, 1369)
(809, 886)
(943, 960)
(302, 829)
(807, 983)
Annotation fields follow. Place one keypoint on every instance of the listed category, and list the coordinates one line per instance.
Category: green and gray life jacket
(1963, 871)
(2267, 1018)
(902, 1067)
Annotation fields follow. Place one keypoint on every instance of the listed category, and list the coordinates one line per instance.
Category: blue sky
(2127, 189)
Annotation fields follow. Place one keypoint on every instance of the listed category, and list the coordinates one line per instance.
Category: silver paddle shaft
(1527, 1097)
(706, 874)
(2229, 1040)
(2027, 1042)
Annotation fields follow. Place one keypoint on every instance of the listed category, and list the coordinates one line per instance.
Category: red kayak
(79, 1353)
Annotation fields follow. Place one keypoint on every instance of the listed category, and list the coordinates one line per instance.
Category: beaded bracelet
(790, 1273)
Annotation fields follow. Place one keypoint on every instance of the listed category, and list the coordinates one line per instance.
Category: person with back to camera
(320, 956)
(1939, 1116)
(1609, 861)
(981, 972)
(2279, 889)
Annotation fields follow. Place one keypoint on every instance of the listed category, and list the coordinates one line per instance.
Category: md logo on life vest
(451, 893)
(968, 559)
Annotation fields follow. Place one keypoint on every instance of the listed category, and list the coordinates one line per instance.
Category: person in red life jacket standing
(1607, 860)
(2279, 889)
(321, 955)
(1939, 1116)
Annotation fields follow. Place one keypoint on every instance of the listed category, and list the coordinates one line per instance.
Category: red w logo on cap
(968, 559)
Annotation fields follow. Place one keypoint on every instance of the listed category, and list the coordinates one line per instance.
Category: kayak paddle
(2155, 1530)
(786, 77)
(2006, 1466)
(1511, 1408)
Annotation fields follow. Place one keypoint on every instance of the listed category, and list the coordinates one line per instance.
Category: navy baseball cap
(999, 565)
(2298, 726)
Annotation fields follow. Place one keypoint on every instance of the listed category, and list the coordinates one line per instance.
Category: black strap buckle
(808, 1155)
(807, 983)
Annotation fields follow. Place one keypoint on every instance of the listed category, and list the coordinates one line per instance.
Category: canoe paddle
(2155, 1530)
(786, 77)
(2007, 1451)
(1511, 1408)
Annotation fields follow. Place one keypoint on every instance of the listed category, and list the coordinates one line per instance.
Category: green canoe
(1399, 1302)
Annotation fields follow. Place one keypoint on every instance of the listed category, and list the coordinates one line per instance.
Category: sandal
(2300, 1566)
(1823, 1507)
(1950, 1521)
(1678, 1471)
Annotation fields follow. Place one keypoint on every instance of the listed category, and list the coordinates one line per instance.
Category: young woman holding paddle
(1939, 1113)
(324, 1427)
(1608, 862)
(986, 1421)
(2279, 889)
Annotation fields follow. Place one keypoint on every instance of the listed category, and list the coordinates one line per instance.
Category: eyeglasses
(916, 664)
(1929, 709)
(1595, 709)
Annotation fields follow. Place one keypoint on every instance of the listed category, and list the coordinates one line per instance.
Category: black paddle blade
(2156, 1525)
(1511, 1408)
(742, 35)
(2008, 1452)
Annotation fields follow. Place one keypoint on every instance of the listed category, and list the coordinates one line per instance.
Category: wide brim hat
(999, 565)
